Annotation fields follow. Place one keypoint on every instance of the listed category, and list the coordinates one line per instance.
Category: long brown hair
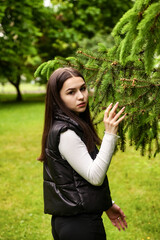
(53, 102)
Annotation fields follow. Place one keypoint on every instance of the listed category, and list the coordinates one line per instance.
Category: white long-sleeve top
(73, 150)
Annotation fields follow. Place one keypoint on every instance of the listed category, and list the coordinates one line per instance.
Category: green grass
(134, 180)
(21, 196)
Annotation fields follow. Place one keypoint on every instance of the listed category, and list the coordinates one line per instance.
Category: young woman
(76, 189)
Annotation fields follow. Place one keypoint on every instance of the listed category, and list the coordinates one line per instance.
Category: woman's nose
(80, 95)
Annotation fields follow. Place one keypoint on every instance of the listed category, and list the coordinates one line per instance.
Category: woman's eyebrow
(69, 89)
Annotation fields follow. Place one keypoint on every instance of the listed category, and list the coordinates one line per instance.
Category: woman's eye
(83, 88)
(71, 93)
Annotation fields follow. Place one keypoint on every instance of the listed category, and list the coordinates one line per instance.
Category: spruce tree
(129, 73)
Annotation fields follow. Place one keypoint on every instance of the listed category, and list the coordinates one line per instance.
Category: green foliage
(18, 39)
(74, 24)
(130, 85)
(129, 72)
(46, 68)
(137, 34)
(90, 17)
(32, 33)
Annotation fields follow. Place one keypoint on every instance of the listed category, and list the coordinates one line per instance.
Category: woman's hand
(117, 217)
(111, 119)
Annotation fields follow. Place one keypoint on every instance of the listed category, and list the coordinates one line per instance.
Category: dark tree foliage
(89, 17)
(31, 33)
(18, 41)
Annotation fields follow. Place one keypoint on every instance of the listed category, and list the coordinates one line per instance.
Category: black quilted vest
(65, 191)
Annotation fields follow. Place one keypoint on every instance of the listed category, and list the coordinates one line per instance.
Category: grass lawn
(134, 180)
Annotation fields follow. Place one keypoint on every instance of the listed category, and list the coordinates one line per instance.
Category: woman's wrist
(112, 134)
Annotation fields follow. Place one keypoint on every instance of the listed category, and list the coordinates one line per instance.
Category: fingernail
(117, 103)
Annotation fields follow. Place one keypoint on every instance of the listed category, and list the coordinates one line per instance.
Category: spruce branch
(92, 57)
(134, 80)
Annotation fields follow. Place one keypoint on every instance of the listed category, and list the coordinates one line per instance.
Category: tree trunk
(16, 85)
(19, 95)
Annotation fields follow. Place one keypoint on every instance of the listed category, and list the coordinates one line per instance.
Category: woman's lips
(82, 104)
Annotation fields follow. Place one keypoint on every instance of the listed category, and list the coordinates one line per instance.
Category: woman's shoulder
(60, 127)
(62, 123)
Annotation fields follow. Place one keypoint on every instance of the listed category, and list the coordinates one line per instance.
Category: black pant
(79, 227)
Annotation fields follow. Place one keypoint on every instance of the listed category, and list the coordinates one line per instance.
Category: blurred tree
(56, 38)
(85, 23)
(70, 22)
(90, 17)
(129, 73)
(73, 24)
(31, 33)
(18, 41)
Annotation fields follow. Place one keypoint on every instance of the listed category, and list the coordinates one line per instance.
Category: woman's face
(74, 94)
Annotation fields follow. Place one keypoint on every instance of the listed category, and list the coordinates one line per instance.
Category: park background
(46, 32)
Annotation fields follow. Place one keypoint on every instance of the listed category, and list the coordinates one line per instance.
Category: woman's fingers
(113, 111)
(121, 223)
(111, 114)
(107, 111)
(112, 119)
(120, 119)
(119, 114)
